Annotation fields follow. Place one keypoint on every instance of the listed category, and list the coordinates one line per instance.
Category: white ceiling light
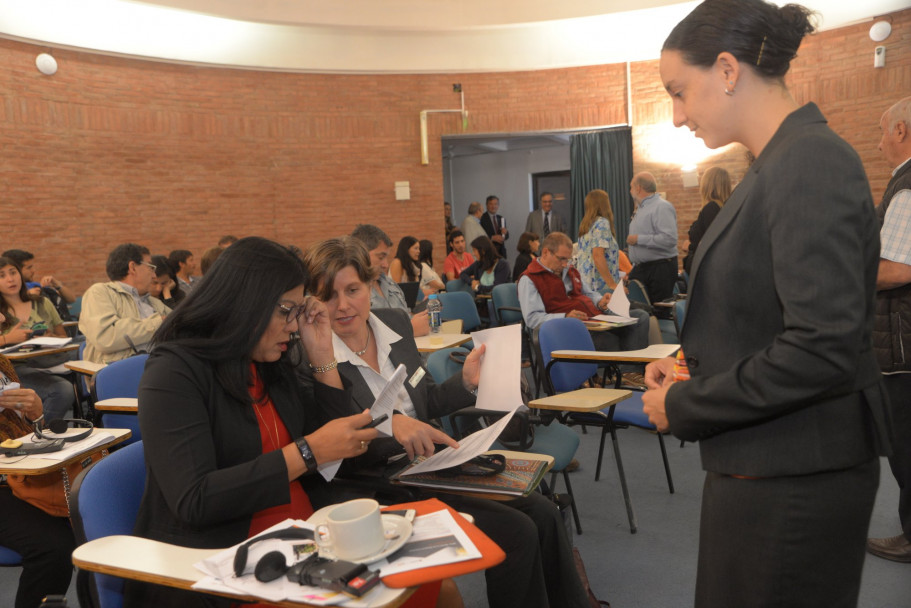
(880, 30)
(46, 64)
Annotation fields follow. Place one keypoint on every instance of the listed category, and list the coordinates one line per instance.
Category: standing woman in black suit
(785, 396)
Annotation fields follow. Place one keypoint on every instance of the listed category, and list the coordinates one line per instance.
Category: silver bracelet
(322, 369)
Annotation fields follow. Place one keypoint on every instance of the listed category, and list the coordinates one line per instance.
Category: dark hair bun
(756, 32)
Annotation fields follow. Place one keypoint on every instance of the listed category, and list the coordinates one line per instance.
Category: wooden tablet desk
(40, 352)
(36, 465)
(434, 342)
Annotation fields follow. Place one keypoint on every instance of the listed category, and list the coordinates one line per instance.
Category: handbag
(50, 492)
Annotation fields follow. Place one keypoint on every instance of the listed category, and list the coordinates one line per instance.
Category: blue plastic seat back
(460, 305)
(442, 367)
(8, 557)
(679, 314)
(105, 502)
(629, 411)
(637, 292)
(507, 294)
(566, 334)
(121, 379)
(458, 285)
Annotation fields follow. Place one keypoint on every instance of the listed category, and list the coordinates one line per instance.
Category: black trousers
(898, 386)
(45, 543)
(785, 541)
(659, 278)
(539, 570)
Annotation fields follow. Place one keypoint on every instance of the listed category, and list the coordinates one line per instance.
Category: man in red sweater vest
(551, 288)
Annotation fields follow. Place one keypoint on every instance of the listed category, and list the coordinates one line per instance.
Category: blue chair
(454, 285)
(571, 334)
(679, 315)
(637, 292)
(75, 308)
(460, 305)
(104, 502)
(8, 557)
(555, 440)
(121, 379)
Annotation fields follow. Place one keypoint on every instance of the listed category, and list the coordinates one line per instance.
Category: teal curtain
(602, 160)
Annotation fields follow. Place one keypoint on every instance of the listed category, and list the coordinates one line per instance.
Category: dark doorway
(557, 183)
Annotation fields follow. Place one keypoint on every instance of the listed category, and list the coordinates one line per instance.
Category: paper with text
(501, 368)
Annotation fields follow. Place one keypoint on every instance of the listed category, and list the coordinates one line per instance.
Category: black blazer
(488, 227)
(697, 230)
(206, 473)
(777, 333)
(431, 400)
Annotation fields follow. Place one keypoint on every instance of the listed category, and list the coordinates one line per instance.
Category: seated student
(430, 280)
(231, 443)
(119, 317)
(368, 345)
(24, 315)
(49, 286)
(164, 285)
(551, 288)
(183, 264)
(458, 259)
(528, 246)
(489, 270)
(208, 258)
(384, 292)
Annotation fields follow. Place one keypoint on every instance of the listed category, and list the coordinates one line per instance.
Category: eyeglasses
(152, 266)
(292, 313)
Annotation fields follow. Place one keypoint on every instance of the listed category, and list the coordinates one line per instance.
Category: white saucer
(395, 524)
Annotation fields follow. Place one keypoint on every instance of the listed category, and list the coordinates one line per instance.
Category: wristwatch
(306, 454)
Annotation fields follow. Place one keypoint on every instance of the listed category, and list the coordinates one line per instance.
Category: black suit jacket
(777, 333)
(431, 400)
(206, 473)
(489, 228)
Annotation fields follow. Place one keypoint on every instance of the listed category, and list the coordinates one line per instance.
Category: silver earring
(730, 90)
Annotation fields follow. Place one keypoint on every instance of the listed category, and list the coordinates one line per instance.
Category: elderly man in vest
(550, 288)
(892, 329)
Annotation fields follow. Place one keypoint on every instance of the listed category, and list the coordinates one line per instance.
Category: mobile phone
(375, 422)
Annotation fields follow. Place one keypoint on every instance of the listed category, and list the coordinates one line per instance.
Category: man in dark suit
(891, 339)
(545, 220)
(495, 226)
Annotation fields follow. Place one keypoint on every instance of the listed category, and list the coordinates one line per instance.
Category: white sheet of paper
(469, 447)
(614, 319)
(619, 302)
(43, 341)
(501, 368)
(385, 402)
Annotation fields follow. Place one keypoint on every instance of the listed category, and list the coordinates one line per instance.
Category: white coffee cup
(353, 529)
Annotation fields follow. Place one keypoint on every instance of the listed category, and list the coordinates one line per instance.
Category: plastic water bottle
(435, 312)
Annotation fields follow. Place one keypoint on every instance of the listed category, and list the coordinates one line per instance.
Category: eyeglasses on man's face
(152, 266)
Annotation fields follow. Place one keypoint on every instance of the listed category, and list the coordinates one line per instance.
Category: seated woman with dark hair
(430, 280)
(231, 442)
(26, 316)
(528, 246)
(489, 270)
(164, 285)
(539, 570)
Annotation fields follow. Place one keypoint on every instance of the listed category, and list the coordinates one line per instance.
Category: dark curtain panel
(602, 160)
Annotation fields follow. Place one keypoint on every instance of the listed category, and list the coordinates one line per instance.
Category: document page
(501, 368)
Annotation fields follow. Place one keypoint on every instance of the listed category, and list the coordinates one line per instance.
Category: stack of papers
(42, 342)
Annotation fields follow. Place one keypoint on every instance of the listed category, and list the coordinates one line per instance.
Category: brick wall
(111, 149)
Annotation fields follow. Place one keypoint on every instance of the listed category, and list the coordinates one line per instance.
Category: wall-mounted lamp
(880, 30)
(46, 64)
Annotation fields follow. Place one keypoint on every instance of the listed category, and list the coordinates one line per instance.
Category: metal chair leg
(600, 453)
(569, 490)
(633, 526)
(667, 466)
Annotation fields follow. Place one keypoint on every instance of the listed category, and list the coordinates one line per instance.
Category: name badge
(418, 375)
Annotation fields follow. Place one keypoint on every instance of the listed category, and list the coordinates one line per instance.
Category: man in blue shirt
(652, 239)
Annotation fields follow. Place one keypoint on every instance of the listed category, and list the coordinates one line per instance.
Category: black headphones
(240, 558)
(60, 425)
